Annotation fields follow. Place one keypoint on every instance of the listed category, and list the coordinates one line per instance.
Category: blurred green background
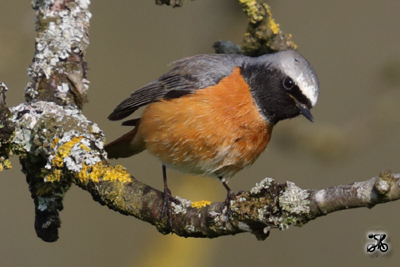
(354, 47)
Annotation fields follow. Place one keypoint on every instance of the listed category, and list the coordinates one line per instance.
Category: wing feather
(189, 74)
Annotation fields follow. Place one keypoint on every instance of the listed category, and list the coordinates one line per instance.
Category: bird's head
(283, 85)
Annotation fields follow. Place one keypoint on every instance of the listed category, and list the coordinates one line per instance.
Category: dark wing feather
(189, 74)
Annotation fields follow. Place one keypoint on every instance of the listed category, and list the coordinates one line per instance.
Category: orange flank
(213, 131)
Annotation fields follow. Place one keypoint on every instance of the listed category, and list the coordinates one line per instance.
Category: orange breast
(214, 131)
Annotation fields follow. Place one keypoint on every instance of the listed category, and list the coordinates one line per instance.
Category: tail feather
(127, 145)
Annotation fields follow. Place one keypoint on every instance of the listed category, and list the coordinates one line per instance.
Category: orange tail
(127, 145)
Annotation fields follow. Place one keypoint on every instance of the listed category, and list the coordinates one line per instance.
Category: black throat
(273, 100)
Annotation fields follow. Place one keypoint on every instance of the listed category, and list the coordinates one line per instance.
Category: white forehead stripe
(302, 73)
(307, 88)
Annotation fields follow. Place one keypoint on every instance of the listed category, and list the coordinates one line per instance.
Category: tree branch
(263, 34)
(57, 75)
(173, 3)
(58, 146)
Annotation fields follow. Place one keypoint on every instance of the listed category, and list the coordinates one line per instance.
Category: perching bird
(213, 114)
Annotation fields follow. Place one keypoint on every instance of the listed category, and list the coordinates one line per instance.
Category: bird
(213, 114)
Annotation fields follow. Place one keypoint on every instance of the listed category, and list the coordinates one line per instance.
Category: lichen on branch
(263, 34)
(58, 69)
(59, 146)
(173, 3)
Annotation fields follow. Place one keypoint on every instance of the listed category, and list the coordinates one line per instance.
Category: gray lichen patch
(384, 183)
(74, 151)
(62, 31)
(294, 199)
(272, 205)
(295, 206)
(263, 185)
(6, 130)
(182, 207)
(43, 127)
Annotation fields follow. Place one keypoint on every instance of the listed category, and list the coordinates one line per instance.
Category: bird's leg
(167, 197)
(230, 196)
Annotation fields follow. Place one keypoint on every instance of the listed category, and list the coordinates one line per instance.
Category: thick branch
(377, 190)
(59, 146)
(6, 130)
(58, 69)
(58, 75)
(173, 3)
(263, 34)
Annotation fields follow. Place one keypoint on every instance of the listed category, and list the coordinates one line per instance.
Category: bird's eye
(288, 83)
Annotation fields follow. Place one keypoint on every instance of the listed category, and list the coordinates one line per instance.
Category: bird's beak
(305, 111)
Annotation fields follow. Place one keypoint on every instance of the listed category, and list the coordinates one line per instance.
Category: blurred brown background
(354, 47)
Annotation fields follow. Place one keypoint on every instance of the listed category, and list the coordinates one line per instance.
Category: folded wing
(188, 74)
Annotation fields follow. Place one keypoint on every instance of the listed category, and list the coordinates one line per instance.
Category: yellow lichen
(95, 172)
(84, 147)
(58, 162)
(83, 175)
(88, 173)
(117, 173)
(271, 22)
(253, 10)
(55, 141)
(106, 172)
(200, 204)
(53, 176)
(64, 150)
(5, 165)
(289, 40)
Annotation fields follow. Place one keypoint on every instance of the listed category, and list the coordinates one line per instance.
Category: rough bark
(57, 145)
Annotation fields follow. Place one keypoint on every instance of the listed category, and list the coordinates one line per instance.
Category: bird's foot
(166, 208)
(229, 197)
